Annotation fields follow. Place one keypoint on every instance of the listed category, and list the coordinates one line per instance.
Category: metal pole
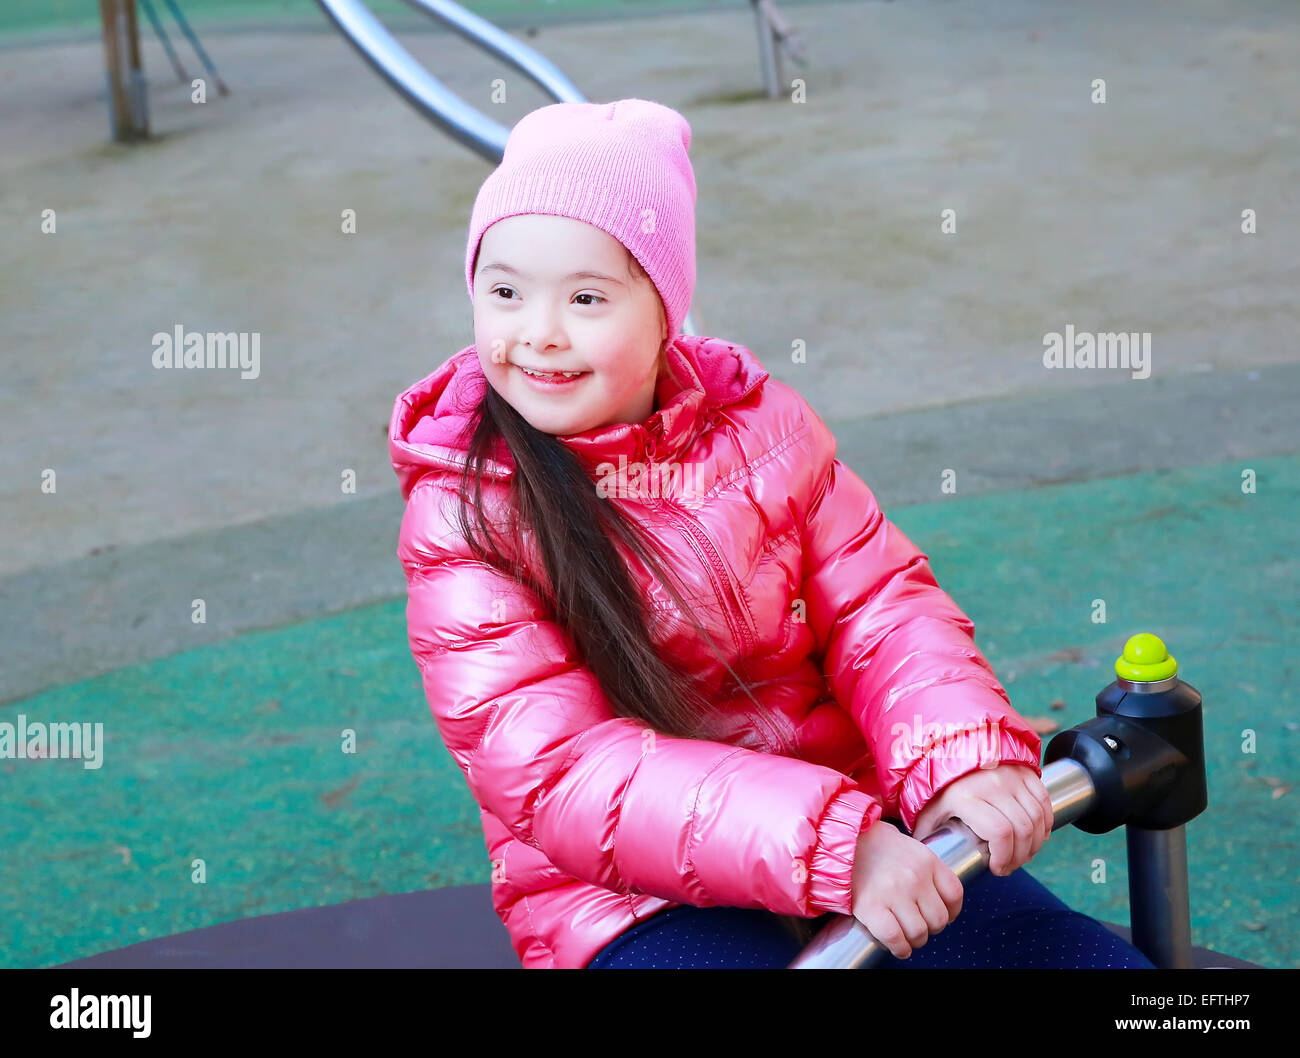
(846, 944)
(139, 86)
(431, 97)
(198, 48)
(127, 113)
(166, 42)
(1159, 906)
(434, 100)
(766, 51)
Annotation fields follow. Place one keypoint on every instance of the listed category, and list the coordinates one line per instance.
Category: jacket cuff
(830, 874)
(958, 755)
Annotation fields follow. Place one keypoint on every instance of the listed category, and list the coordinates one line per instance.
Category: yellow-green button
(1145, 660)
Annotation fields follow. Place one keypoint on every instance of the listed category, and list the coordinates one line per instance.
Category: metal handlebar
(846, 944)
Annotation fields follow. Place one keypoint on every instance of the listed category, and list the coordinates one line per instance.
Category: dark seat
(453, 928)
(447, 928)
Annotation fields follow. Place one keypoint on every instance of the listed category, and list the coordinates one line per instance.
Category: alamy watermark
(37, 741)
(93, 1011)
(210, 349)
(981, 740)
(1129, 351)
(642, 481)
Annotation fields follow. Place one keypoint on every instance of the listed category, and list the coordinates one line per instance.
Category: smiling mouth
(550, 374)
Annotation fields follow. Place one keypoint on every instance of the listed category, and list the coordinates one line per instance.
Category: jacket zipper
(728, 599)
(706, 552)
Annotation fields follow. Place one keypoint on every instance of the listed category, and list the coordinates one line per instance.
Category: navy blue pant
(1006, 923)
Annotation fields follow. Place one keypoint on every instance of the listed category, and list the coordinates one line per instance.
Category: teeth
(551, 374)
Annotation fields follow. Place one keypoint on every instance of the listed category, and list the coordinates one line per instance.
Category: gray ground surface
(817, 221)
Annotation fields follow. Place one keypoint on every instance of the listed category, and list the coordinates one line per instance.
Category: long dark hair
(588, 586)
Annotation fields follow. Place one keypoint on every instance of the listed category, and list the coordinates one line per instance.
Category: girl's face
(555, 294)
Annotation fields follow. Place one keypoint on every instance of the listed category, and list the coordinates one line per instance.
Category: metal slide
(434, 100)
(425, 92)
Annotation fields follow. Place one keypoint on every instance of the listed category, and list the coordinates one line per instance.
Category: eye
(587, 304)
(498, 290)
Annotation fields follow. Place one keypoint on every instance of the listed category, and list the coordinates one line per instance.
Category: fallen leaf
(335, 796)
(1254, 927)
(126, 853)
(1271, 780)
(1291, 725)
(1044, 725)
(1058, 704)
(347, 672)
(1280, 791)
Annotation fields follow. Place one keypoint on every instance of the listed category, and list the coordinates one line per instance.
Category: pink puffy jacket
(593, 822)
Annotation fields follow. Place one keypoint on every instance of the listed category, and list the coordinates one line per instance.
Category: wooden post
(128, 111)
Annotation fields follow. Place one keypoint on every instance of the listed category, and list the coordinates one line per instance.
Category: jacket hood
(432, 420)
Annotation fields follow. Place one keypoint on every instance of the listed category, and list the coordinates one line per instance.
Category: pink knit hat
(621, 167)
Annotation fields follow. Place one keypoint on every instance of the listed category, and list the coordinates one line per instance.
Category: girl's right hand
(902, 892)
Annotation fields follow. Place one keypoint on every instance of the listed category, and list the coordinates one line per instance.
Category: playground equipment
(190, 35)
(777, 41)
(434, 100)
(154, 21)
(1139, 763)
(128, 96)
(472, 128)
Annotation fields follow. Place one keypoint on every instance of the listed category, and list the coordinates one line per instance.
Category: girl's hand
(1008, 806)
(902, 892)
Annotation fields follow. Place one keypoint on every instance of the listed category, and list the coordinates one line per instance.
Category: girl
(688, 668)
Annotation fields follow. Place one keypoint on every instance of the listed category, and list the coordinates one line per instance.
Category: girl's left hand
(1008, 806)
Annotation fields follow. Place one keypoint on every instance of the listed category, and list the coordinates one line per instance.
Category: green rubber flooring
(225, 791)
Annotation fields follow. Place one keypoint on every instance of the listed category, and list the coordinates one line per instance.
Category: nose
(542, 330)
